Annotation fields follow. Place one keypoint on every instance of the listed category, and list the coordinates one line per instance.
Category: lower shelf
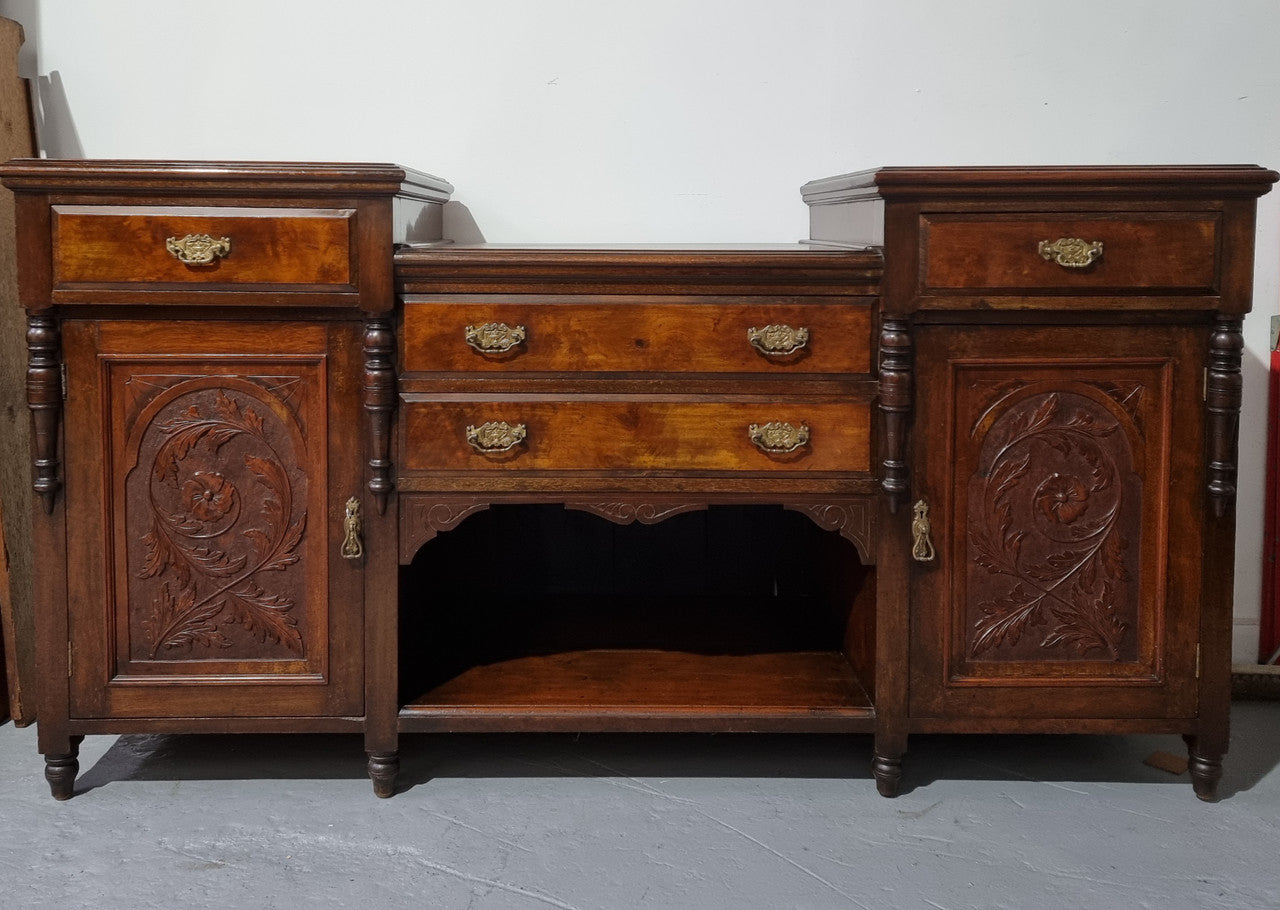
(624, 690)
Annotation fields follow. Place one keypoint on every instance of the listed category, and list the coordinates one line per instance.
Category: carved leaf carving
(1004, 621)
(1036, 420)
(1045, 528)
(179, 621)
(1093, 626)
(265, 615)
(161, 554)
(208, 549)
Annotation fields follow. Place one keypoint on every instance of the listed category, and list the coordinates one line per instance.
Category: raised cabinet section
(1072, 340)
(209, 379)
(217, 452)
(1063, 469)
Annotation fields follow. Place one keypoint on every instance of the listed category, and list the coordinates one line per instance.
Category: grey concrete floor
(641, 821)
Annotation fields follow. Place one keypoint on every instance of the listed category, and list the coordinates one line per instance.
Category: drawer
(641, 336)
(1143, 251)
(144, 245)
(636, 434)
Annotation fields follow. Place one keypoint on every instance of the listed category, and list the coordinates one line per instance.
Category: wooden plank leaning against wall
(15, 474)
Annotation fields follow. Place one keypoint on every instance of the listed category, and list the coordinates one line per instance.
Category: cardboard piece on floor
(1167, 761)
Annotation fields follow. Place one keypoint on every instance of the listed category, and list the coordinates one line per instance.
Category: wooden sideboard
(965, 461)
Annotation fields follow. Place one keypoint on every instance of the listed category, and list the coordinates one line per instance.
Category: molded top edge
(683, 266)
(1092, 180)
(605, 249)
(638, 254)
(132, 175)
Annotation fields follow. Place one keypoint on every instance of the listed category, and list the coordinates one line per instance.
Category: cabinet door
(1064, 472)
(208, 465)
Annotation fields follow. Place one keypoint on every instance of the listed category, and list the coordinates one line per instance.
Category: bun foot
(60, 771)
(888, 774)
(1205, 774)
(383, 768)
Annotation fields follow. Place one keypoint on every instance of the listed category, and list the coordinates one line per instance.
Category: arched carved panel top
(141, 389)
(1126, 394)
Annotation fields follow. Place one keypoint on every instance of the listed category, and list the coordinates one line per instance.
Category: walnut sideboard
(963, 461)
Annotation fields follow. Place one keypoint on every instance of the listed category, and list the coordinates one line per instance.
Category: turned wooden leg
(1205, 768)
(383, 768)
(61, 768)
(888, 773)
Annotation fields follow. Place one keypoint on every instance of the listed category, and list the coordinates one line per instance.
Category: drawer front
(635, 434)
(477, 336)
(141, 245)
(1144, 251)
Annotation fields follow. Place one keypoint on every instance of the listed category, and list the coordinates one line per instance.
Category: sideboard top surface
(221, 177)
(1093, 181)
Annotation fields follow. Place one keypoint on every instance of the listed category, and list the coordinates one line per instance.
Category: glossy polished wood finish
(638, 690)
(635, 489)
(640, 334)
(1140, 252)
(126, 245)
(641, 433)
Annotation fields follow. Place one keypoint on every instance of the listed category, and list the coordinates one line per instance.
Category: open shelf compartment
(736, 619)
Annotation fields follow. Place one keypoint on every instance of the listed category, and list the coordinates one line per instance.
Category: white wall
(683, 121)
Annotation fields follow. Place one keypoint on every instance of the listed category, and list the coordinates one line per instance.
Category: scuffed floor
(614, 822)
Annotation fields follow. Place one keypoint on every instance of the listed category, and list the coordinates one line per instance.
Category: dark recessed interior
(514, 582)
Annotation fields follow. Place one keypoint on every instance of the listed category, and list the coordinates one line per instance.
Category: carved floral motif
(627, 512)
(1052, 516)
(214, 554)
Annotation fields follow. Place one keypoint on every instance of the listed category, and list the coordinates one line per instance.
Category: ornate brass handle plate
(496, 436)
(198, 249)
(921, 534)
(778, 438)
(777, 340)
(495, 337)
(352, 544)
(1071, 252)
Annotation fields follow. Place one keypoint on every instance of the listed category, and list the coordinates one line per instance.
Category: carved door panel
(208, 468)
(1065, 479)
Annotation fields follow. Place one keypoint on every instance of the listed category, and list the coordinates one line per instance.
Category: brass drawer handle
(777, 340)
(1071, 252)
(495, 337)
(352, 544)
(778, 438)
(922, 534)
(496, 436)
(198, 249)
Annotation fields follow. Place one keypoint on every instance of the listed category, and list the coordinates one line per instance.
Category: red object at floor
(1269, 640)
